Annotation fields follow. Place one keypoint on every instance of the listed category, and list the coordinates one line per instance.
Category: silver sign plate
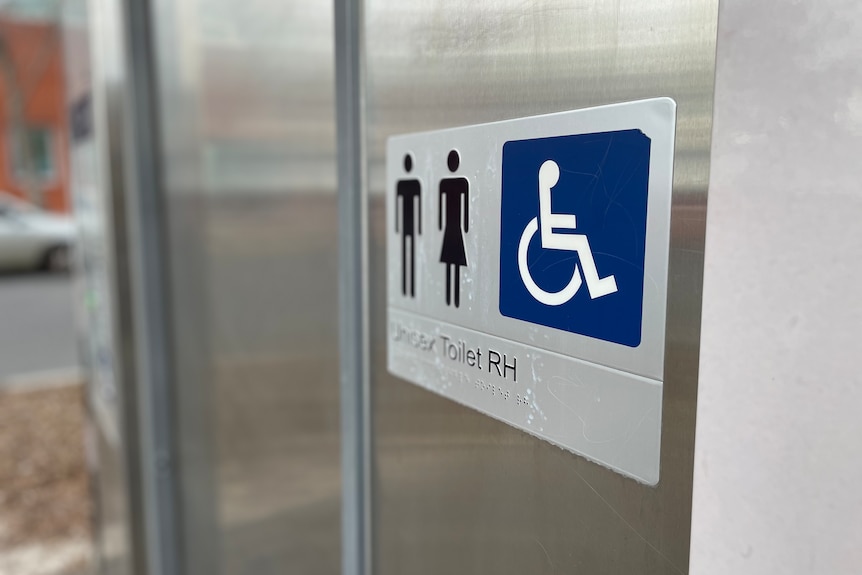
(527, 273)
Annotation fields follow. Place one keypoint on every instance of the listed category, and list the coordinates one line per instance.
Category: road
(37, 332)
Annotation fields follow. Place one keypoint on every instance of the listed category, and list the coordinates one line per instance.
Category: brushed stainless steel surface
(246, 121)
(456, 491)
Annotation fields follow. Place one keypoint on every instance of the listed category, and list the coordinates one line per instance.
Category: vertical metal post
(353, 292)
(148, 255)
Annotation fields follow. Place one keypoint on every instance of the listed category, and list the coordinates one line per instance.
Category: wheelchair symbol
(549, 175)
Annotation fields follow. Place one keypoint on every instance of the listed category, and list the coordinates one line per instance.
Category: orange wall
(36, 55)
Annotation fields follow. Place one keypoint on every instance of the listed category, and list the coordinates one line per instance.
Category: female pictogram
(409, 193)
(455, 194)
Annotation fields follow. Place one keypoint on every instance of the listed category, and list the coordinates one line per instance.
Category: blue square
(583, 275)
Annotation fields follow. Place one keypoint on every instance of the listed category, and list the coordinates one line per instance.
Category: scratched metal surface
(456, 491)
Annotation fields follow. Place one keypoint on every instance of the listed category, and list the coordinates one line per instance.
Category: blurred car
(31, 238)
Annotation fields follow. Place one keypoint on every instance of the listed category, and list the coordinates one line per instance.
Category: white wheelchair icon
(549, 175)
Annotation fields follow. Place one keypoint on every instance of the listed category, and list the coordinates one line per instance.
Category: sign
(527, 273)
(592, 203)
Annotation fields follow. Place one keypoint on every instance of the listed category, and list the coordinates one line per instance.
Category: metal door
(455, 491)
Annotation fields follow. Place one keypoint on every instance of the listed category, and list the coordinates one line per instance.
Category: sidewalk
(40, 380)
(45, 504)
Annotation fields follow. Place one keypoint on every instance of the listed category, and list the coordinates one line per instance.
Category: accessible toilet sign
(527, 273)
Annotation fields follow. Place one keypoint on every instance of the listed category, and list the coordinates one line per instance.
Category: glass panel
(98, 297)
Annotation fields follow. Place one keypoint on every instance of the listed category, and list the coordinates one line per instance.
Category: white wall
(778, 475)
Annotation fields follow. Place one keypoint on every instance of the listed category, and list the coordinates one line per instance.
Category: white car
(31, 238)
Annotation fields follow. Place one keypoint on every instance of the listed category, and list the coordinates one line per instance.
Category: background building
(33, 127)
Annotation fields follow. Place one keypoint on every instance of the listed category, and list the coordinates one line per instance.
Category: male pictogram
(408, 210)
(454, 200)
